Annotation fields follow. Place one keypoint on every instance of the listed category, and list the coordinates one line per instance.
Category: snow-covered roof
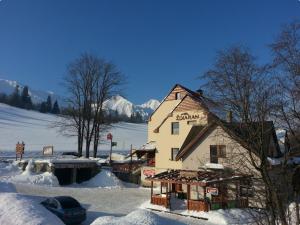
(148, 146)
(214, 166)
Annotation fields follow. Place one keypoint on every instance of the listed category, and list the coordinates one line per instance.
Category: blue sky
(156, 43)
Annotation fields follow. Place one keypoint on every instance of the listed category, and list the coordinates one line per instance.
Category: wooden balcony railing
(161, 200)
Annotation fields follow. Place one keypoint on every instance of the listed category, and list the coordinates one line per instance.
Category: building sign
(212, 190)
(187, 116)
(48, 150)
(149, 172)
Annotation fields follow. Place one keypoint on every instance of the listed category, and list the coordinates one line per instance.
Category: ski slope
(37, 130)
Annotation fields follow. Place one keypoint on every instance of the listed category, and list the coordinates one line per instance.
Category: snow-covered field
(36, 130)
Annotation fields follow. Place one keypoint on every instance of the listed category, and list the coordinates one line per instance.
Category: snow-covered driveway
(101, 201)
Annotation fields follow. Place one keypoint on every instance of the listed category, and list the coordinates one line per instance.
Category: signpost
(20, 148)
(110, 137)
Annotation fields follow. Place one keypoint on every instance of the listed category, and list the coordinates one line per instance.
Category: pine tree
(49, 104)
(26, 102)
(15, 97)
(43, 108)
(55, 109)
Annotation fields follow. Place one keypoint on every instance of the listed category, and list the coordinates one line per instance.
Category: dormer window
(177, 96)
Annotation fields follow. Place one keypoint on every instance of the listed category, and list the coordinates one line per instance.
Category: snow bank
(104, 179)
(16, 209)
(29, 177)
(9, 169)
(220, 217)
(138, 217)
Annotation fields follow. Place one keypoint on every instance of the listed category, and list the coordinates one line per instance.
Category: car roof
(64, 198)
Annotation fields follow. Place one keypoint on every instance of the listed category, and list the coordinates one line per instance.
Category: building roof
(237, 131)
(192, 177)
(193, 94)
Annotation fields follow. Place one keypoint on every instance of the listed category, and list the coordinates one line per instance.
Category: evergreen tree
(26, 102)
(3, 98)
(55, 109)
(15, 98)
(43, 108)
(49, 104)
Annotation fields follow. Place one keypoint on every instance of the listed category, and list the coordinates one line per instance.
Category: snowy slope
(8, 87)
(36, 130)
(125, 107)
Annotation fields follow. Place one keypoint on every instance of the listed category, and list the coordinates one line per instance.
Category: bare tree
(247, 89)
(89, 82)
(286, 61)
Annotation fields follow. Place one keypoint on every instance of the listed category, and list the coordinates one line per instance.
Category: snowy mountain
(151, 104)
(37, 96)
(122, 106)
(117, 103)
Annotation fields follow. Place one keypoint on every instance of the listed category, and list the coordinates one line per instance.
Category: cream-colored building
(188, 135)
(170, 124)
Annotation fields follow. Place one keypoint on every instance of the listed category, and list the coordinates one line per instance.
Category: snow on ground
(16, 209)
(220, 217)
(104, 179)
(28, 177)
(36, 130)
(137, 217)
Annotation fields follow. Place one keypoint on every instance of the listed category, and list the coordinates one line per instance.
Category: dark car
(66, 208)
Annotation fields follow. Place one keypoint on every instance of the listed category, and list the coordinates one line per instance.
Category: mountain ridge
(118, 104)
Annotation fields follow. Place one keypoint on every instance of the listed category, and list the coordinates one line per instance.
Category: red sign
(149, 172)
(109, 136)
(212, 190)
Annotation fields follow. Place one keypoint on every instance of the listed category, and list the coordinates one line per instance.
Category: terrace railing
(163, 200)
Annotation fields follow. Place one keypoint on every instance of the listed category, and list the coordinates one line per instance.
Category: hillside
(37, 96)
(36, 130)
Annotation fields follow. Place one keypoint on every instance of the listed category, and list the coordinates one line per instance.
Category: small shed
(202, 190)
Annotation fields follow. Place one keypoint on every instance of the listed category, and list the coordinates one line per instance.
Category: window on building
(175, 128)
(174, 152)
(192, 122)
(216, 152)
(177, 96)
(246, 188)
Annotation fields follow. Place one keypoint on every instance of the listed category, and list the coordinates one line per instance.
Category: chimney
(199, 92)
(229, 117)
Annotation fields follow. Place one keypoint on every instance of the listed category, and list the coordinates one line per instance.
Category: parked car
(66, 208)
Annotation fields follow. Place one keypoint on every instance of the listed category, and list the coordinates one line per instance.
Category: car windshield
(68, 203)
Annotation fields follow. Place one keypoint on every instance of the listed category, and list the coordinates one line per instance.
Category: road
(101, 201)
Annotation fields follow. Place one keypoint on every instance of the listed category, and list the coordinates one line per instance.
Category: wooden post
(167, 196)
(151, 188)
(131, 158)
(110, 152)
(161, 188)
(188, 196)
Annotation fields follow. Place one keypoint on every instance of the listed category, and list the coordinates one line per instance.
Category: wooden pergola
(211, 182)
